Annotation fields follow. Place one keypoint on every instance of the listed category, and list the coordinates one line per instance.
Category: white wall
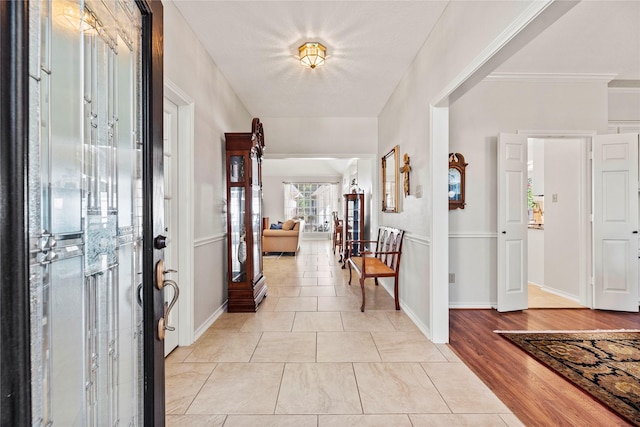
(562, 251)
(217, 110)
(624, 104)
(320, 136)
(535, 250)
(491, 107)
(463, 33)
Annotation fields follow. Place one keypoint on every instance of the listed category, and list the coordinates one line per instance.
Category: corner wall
(446, 55)
(217, 110)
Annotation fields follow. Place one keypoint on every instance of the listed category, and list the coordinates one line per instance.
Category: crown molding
(551, 77)
(634, 90)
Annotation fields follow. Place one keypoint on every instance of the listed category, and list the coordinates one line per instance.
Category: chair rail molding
(203, 241)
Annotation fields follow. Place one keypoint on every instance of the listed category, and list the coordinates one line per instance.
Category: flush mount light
(312, 54)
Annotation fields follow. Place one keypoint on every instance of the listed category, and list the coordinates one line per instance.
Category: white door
(615, 222)
(512, 222)
(171, 222)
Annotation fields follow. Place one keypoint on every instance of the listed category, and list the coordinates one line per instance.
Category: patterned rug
(606, 364)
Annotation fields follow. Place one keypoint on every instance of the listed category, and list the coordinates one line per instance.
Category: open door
(512, 222)
(615, 222)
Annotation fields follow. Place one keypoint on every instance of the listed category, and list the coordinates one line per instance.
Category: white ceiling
(370, 45)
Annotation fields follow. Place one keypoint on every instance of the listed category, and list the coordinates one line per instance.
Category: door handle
(169, 306)
(635, 231)
(504, 232)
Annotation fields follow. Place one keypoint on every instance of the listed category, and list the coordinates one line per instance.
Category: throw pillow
(276, 226)
(288, 224)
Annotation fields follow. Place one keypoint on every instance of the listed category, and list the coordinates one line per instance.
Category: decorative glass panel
(238, 235)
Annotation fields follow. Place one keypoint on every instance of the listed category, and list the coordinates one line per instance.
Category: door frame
(15, 341)
(586, 194)
(184, 233)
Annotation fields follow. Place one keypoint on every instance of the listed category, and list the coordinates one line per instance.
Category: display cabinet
(353, 225)
(246, 281)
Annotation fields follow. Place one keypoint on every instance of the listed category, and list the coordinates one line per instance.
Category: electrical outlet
(452, 277)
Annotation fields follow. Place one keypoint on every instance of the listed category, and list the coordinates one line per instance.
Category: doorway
(557, 196)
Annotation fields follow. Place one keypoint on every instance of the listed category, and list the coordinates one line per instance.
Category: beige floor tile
(397, 388)
(239, 388)
(269, 321)
(458, 420)
(317, 321)
(286, 347)
(318, 388)
(346, 303)
(317, 291)
(348, 290)
(272, 421)
(346, 347)
(367, 321)
(302, 281)
(225, 346)
(179, 354)
(401, 321)
(364, 421)
(195, 420)
(268, 303)
(448, 353)
(231, 321)
(317, 274)
(406, 347)
(511, 420)
(284, 291)
(183, 381)
(462, 390)
(297, 304)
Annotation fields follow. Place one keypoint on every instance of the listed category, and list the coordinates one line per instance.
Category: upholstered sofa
(283, 240)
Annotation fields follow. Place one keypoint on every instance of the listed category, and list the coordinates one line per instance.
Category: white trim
(422, 240)
(558, 133)
(439, 260)
(551, 77)
(499, 50)
(558, 293)
(185, 267)
(416, 320)
(633, 90)
(208, 240)
(207, 323)
(473, 235)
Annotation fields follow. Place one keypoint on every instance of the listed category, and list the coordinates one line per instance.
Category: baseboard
(207, 323)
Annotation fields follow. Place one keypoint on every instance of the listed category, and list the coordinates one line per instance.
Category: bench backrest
(389, 240)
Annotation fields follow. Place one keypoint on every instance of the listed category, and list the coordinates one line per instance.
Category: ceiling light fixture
(312, 54)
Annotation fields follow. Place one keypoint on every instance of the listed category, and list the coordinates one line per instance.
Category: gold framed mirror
(390, 180)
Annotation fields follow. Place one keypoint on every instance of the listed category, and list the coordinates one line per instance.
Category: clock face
(454, 184)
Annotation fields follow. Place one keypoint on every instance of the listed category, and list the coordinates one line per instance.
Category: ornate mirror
(390, 181)
(456, 180)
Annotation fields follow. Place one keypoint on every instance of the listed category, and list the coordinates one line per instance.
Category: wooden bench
(383, 260)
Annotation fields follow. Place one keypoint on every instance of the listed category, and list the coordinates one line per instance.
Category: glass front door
(85, 213)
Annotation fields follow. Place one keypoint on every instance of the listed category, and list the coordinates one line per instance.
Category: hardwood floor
(535, 394)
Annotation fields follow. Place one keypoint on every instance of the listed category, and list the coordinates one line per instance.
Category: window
(311, 201)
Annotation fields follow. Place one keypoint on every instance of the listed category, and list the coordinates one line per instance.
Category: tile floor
(309, 357)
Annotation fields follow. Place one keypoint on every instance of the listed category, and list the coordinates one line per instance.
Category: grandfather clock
(246, 281)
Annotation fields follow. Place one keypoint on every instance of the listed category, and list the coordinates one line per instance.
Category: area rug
(606, 364)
